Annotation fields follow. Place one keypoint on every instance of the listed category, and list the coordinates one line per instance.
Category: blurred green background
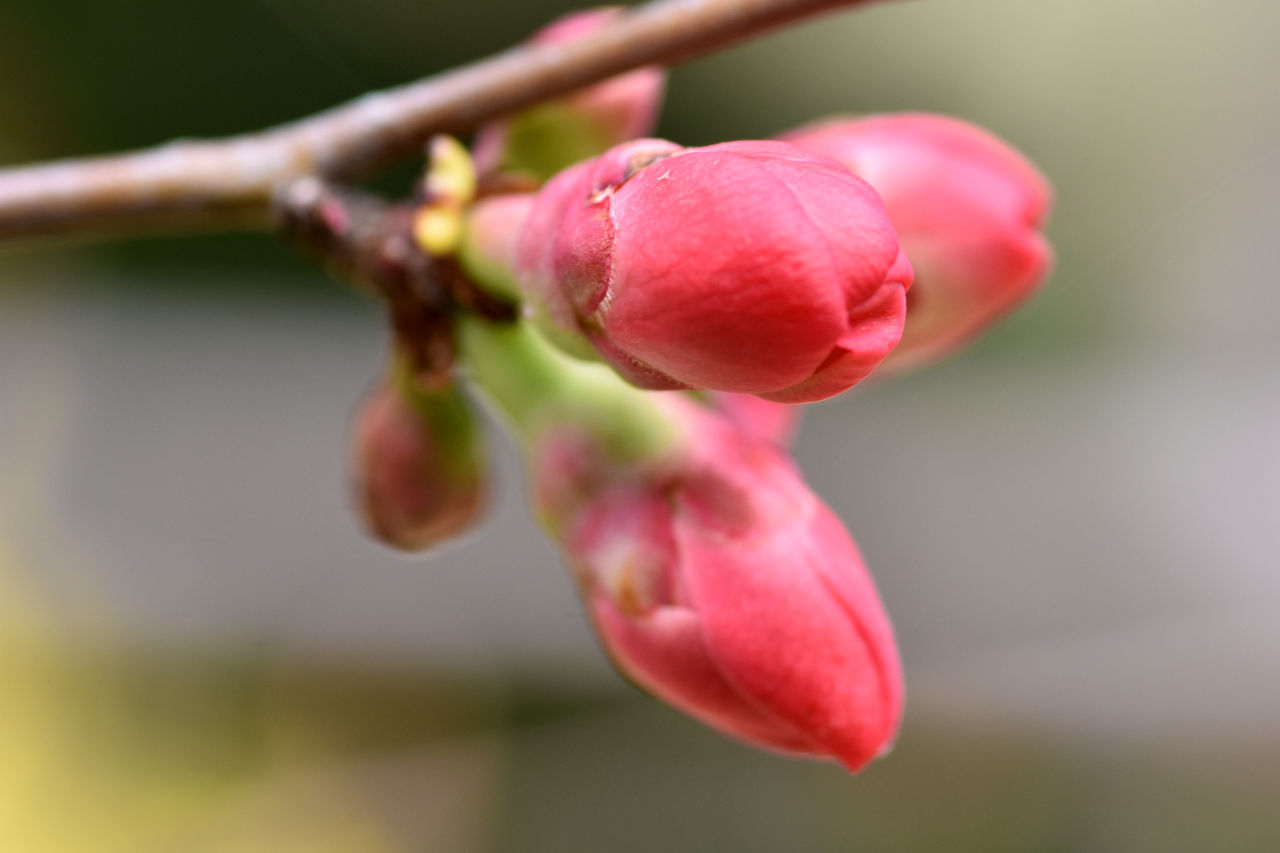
(1073, 523)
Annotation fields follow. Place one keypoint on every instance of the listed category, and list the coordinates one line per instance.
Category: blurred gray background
(1072, 523)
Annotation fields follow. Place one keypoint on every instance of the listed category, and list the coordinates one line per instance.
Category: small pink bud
(721, 584)
(753, 267)
(969, 210)
(418, 466)
(548, 137)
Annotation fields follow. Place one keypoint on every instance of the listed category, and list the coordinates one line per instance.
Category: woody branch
(232, 183)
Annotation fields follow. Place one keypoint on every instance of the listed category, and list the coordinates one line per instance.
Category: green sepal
(548, 138)
(448, 416)
(536, 386)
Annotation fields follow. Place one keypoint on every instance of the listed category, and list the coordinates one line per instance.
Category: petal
(866, 344)
(664, 653)
(792, 621)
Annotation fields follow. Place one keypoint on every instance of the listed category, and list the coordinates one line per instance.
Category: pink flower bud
(969, 211)
(752, 267)
(418, 466)
(721, 584)
(548, 137)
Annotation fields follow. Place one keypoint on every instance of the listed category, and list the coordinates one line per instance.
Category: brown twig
(368, 242)
(229, 183)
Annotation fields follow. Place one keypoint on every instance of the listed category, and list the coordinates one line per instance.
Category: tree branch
(230, 183)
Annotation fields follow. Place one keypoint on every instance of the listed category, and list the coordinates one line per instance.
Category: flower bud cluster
(674, 303)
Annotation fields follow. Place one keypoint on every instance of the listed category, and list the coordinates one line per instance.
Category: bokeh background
(1074, 524)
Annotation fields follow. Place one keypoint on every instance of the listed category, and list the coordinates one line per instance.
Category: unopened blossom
(969, 209)
(721, 584)
(752, 267)
(418, 463)
(550, 136)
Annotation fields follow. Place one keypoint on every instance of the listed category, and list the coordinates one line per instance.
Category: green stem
(536, 386)
(447, 416)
